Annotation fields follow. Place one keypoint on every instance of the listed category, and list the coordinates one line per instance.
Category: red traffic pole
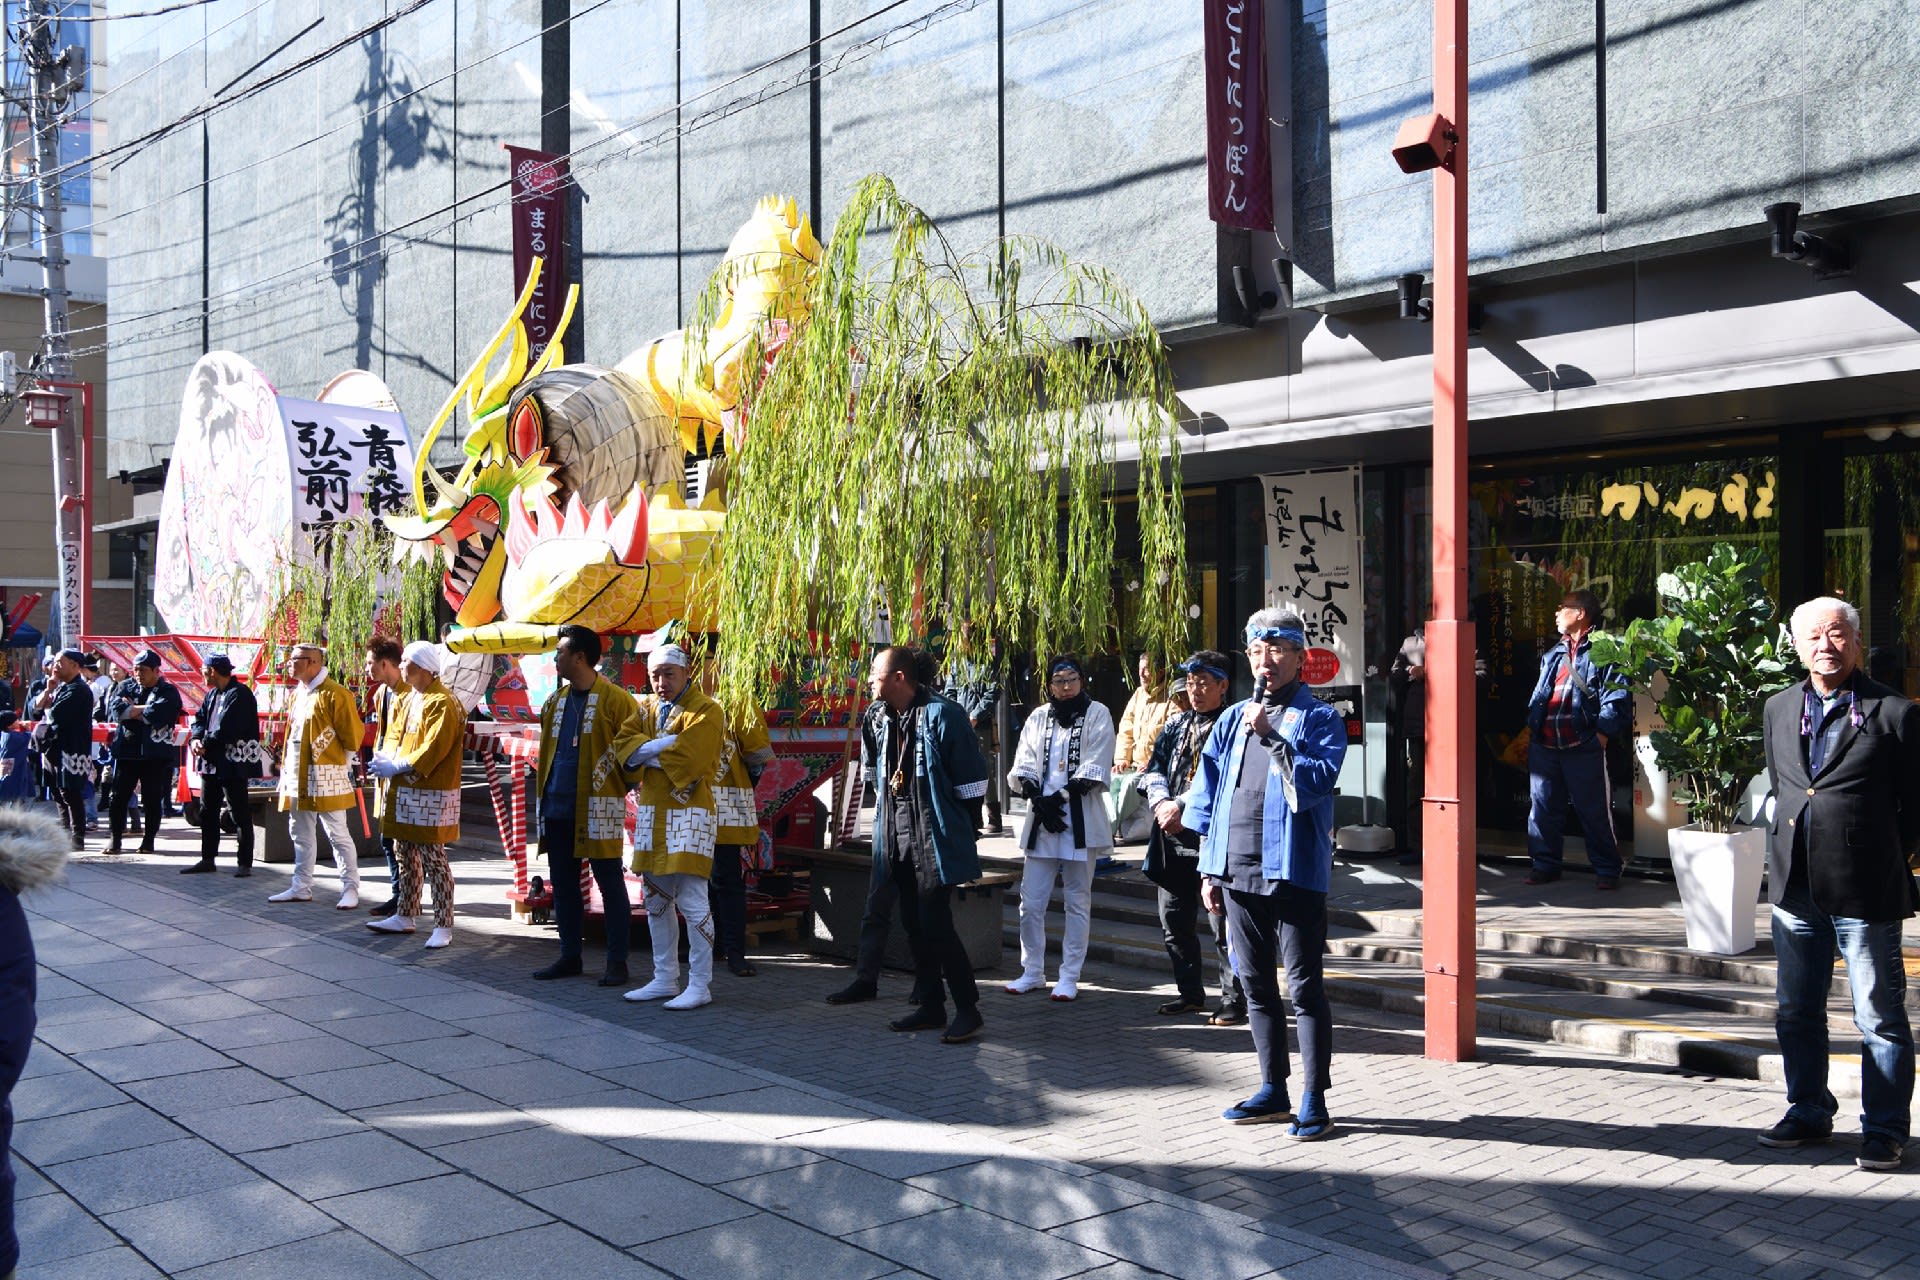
(1448, 933)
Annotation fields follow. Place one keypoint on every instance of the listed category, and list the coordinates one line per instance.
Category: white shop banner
(347, 460)
(1313, 566)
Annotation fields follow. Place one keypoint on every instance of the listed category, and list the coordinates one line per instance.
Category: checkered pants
(410, 856)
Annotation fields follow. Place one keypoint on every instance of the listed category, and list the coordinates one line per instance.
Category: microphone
(1259, 695)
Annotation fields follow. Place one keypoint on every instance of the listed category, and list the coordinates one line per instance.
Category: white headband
(669, 655)
(423, 654)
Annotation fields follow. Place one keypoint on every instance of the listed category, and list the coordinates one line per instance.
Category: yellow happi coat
(422, 805)
(386, 735)
(675, 828)
(738, 814)
(323, 734)
(600, 795)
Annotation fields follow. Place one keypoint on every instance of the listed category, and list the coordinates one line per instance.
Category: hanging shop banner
(1239, 161)
(1313, 567)
(539, 192)
(347, 460)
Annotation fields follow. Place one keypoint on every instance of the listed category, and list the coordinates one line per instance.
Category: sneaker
(1877, 1151)
(291, 894)
(1228, 1015)
(1024, 983)
(855, 992)
(1174, 1008)
(924, 1018)
(965, 1026)
(1792, 1131)
(1267, 1106)
(387, 908)
(562, 968)
(1065, 991)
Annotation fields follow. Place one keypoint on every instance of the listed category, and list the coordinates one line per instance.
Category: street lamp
(45, 407)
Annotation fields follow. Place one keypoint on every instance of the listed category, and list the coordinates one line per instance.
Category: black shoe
(1795, 1132)
(1606, 884)
(1228, 1015)
(559, 969)
(1541, 877)
(1878, 1152)
(615, 976)
(855, 992)
(242, 873)
(1174, 1008)
(386, 908)
(742, 969)
(113, 847)
(965, 1026)
(928, 1017)
(197, 869)
(148, 849)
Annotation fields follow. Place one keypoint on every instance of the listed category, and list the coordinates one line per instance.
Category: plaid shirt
(1559, 730)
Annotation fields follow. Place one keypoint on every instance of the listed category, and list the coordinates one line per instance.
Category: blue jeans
(1576, 776)
(1805, 939)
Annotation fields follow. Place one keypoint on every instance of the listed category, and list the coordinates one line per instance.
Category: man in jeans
(1575, 709)
(1843, 756)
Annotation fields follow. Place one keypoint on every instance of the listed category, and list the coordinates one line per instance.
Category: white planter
(1719, 876)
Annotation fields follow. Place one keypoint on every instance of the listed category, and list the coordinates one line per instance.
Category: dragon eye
(525, 437)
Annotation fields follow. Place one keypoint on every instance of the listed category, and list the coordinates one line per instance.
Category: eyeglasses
(1064, 677)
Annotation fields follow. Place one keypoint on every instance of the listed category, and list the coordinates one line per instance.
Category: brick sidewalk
(1536, 1160)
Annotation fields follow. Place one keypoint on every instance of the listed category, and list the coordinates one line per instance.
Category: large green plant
(1711, 659)
(939, 440)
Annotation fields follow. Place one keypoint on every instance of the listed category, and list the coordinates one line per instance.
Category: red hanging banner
(1239, 161)
(539, 191)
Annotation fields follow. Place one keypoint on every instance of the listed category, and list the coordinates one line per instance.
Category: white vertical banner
(347, 460)
(1313, 567)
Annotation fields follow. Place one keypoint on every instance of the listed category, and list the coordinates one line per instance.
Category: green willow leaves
(939, 441)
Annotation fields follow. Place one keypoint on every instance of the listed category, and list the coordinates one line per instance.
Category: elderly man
(925, 767)
(316, 783)
(1576, 708)
(419, 769)
(1173, 852)
(1843, 755)
(1263, 805)
(674, 745)
(144, 709)
(66, 741)
(226, 742)
(583, 801)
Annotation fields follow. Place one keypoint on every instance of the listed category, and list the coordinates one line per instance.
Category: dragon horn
(474, 372)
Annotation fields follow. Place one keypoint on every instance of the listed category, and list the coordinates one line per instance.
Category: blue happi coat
(1296, 845)
(949, 783)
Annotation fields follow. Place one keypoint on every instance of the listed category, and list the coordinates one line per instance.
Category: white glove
(382, 767)
(648, 752)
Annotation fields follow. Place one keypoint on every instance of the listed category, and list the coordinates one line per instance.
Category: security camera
(1824, 255)
(1425, 142)
(1412, 305)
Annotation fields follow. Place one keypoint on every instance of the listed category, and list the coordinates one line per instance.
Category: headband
(1193, 668)
(1290, 635)
(423, 654)
(669, 655)
(1065, 664)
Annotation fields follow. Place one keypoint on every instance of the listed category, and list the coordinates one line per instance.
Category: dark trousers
(151, 777)
(928, 917)
(393, 866)
(16, 1038)
(1179, 909)
(876, 922)
(1287, 926)
(727, 899)
(232, 793)
(569, 911)
(70, 794)
(1576, 776)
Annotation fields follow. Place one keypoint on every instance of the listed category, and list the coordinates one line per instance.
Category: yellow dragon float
(571, 505)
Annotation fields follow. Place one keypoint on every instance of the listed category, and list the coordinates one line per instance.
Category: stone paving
(319, 1098)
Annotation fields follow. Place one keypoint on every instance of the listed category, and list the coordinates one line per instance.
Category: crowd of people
(1235, 802)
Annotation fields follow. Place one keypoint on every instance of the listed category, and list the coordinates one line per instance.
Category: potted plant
(1710, 661)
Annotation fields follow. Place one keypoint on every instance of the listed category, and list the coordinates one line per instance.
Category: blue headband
(1192, 668)
(1292, 635)
(1066, 664)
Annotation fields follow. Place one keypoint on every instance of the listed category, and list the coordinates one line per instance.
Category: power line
(335, 263)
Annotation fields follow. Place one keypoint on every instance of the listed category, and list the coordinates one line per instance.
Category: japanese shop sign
(346, 460)
(1239, 163)
(539, 184)
(1313, 565)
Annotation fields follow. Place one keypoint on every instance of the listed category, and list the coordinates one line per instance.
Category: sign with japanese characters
(1313, 564)
(1239, 162)
(539, 184)
(347, 460)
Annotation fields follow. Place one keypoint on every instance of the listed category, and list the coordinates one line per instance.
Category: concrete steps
(1706, 1014)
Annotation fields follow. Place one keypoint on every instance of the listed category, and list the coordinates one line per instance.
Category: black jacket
(1860, 814)
(150, 736)
(68, 742)
(227, 727)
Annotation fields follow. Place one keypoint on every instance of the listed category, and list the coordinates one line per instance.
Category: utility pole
(54, 77)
